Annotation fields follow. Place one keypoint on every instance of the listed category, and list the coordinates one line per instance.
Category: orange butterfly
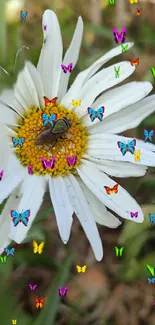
(112, 190)
(49, 102)
(134, 62)
(39, 302)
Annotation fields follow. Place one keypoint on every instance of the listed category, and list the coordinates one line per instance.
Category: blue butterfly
(20, 217)
(19, 141)
(9, 251)
(148, 135)
(93, 114)
(124, 147)
(49, 119)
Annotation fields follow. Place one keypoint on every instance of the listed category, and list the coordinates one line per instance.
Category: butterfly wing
(115, 188)
(70, 67)
(150, 268)
(25, 217)
(30, 286)
(65, 291)
(41, 301)
(146, 135)
(21, 141)
(116, 35)
(100, 112)
(52, 119)
(108, 190)
(40, 247)
(15, 141)
(78, 268)
(37, 302)
(1, 174)
(7, 251)
(84, 268)
(123, 34)
(45, 118)
(47, 101)
(64, 68)
(153, 71)
(53, 101)
(60, 291)
(35, 247)
(15, 217)
(151, 134)
(123, 147)
(131, 146)
(92, 113)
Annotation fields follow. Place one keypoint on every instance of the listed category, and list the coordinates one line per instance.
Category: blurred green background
(114, 291)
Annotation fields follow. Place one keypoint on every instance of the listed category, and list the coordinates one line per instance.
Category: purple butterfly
(69, 68)
(134, 214)
(62, 292)
(45, 27)
(1, 174)
(119, 38)
(30, 170)
(32, 288)
(48, 163)
(71, 161)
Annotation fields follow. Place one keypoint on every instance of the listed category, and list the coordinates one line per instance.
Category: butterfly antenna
(10, 107)
(4, 70)
(23, 47)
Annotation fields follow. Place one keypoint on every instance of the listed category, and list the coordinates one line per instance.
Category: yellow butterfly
(133, 1)
(38, 248)
(81, 268)
(137, 155)
(76, 102)
(14, 321)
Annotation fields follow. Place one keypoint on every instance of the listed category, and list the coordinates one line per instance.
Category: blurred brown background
(114, 291)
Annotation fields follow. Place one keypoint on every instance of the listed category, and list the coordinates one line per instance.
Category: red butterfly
(112, 190)
(138, 12)
(134, 62)
(50, 102)
(39, 302)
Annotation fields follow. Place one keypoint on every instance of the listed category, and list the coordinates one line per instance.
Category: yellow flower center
(62, 152)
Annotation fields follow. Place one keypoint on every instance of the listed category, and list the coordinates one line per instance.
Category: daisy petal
(62, 206)
(71, 56)
(8, 116)
(13, 175)
(118, 168)
(98, 209)
(5, 219)
(32, 187)
(121, 202)
(84, 215)
(101, 81)
(83, 76)
(37, 81)
(114, 100)
(26, 89)
(104, 146)
(128, 118)
(4, 147)
(49, 65)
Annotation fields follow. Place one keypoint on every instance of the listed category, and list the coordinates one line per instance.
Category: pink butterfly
(62, 292)
(45, 27)
(134, 214)
(69, 68)
(119, 38)
(71, 161)
(30, 170)
(48, 163)
(32, 288)
(1, 174)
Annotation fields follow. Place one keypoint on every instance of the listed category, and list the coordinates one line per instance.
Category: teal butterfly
(124, 147)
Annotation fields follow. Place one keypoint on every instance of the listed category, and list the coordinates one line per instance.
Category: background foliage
(114, 291)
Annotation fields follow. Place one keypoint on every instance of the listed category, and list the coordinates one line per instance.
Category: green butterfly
(3, 259)
(124, 47)
(151, 269)
(153, 71)
(119, 251)
(117, 72)
(112, 2)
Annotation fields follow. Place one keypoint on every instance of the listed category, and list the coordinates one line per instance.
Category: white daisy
(78, 188)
